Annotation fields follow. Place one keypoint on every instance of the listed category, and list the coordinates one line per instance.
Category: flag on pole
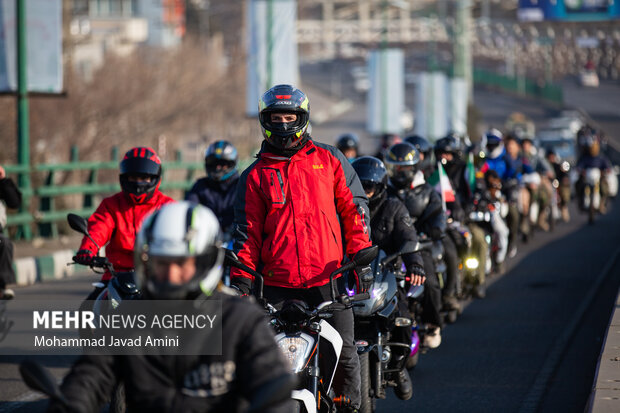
(440, 181)
(470, 173)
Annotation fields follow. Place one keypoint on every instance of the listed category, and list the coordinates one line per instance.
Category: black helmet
(224, 155)
(421, 144)
(402, 162)
(284, 99)
(449, 144)
(347, 141)
(140, 162)
(372, 174)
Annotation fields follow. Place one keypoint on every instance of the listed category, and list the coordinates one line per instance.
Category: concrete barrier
(30, 270)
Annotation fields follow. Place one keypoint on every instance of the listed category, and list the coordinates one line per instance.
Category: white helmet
(179, 230)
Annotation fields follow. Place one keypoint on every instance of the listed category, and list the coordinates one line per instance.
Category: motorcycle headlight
(471, 263)
(296, 349)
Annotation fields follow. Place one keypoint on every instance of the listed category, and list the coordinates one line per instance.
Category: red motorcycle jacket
(116, 222)
(291, 215)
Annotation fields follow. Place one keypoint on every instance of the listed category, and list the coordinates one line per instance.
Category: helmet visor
(140, 166)
(278, 121)
(371, 187)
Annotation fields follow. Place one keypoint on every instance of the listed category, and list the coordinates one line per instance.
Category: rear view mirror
(366, 256)
(78, 223)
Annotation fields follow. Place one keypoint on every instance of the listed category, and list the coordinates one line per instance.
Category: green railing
(47, 204)
(519, 85)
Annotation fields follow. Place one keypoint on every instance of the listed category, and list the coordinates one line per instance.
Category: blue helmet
(221, 160)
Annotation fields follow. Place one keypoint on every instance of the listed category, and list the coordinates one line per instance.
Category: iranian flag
(440, 181)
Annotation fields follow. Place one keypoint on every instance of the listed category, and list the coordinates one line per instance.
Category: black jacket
(392, 229)
(456, 172)
(425, 208)
(219, 196)
(11, 196)
(251, 366)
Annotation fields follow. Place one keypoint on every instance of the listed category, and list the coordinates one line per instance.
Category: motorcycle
(307, 340)
(121, 287)
(376, 338)
(592, 192)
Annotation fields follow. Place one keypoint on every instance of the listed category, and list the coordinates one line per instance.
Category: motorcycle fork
(314, 374)
(377, 374)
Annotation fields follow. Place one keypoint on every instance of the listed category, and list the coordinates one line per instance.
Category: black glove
(241, 284)
(436, 233)
(418, 270)
(84, 257)
(364, 277)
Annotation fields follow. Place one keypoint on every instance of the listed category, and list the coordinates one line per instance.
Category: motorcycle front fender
(305, 397)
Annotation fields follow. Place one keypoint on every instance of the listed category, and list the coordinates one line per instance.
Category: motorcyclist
(293, 208)
(592, 159)
(348, 143)
(386, 140)
(392, 230)
(117, 219)
(449, 152)
(493, 195)
(178, 258)
(498, 160)
(543, 192)
(217, 190)
(10, 196)
(426, 153)
(562, 184)
(425, 208)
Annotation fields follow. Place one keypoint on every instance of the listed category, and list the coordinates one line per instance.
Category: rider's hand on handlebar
(84, 257)
(364, 277)
(242, 285)
(417, 276)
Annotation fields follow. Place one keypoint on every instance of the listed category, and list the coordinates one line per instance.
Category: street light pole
(23, 129)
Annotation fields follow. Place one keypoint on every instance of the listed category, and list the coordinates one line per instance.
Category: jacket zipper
(295, 228)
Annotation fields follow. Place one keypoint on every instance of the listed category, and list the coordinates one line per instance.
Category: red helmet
(140, 162)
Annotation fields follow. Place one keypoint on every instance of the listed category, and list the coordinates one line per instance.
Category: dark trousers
(451, 257)
(7, 274)
(512, 220)
(431, 300)
(347, 380)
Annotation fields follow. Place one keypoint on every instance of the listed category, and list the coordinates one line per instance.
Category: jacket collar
(305, 150)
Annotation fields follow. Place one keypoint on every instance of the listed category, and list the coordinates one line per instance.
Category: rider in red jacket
(293, 208)
(117, 219)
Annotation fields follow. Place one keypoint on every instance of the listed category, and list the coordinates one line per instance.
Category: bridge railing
(519, 85)
(77, 187)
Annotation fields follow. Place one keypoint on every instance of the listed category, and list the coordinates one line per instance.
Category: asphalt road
(14, 395)
(513, 351)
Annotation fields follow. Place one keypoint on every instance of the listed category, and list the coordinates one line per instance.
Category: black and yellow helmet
(284, 99)
(402, 162)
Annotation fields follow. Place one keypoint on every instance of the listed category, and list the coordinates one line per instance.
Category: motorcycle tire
(368, 403)
(117, 402)
(591, 210)
(412, 361)
(298, 407)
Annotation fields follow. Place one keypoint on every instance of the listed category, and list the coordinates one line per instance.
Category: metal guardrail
(519, 85)
(41, 210)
